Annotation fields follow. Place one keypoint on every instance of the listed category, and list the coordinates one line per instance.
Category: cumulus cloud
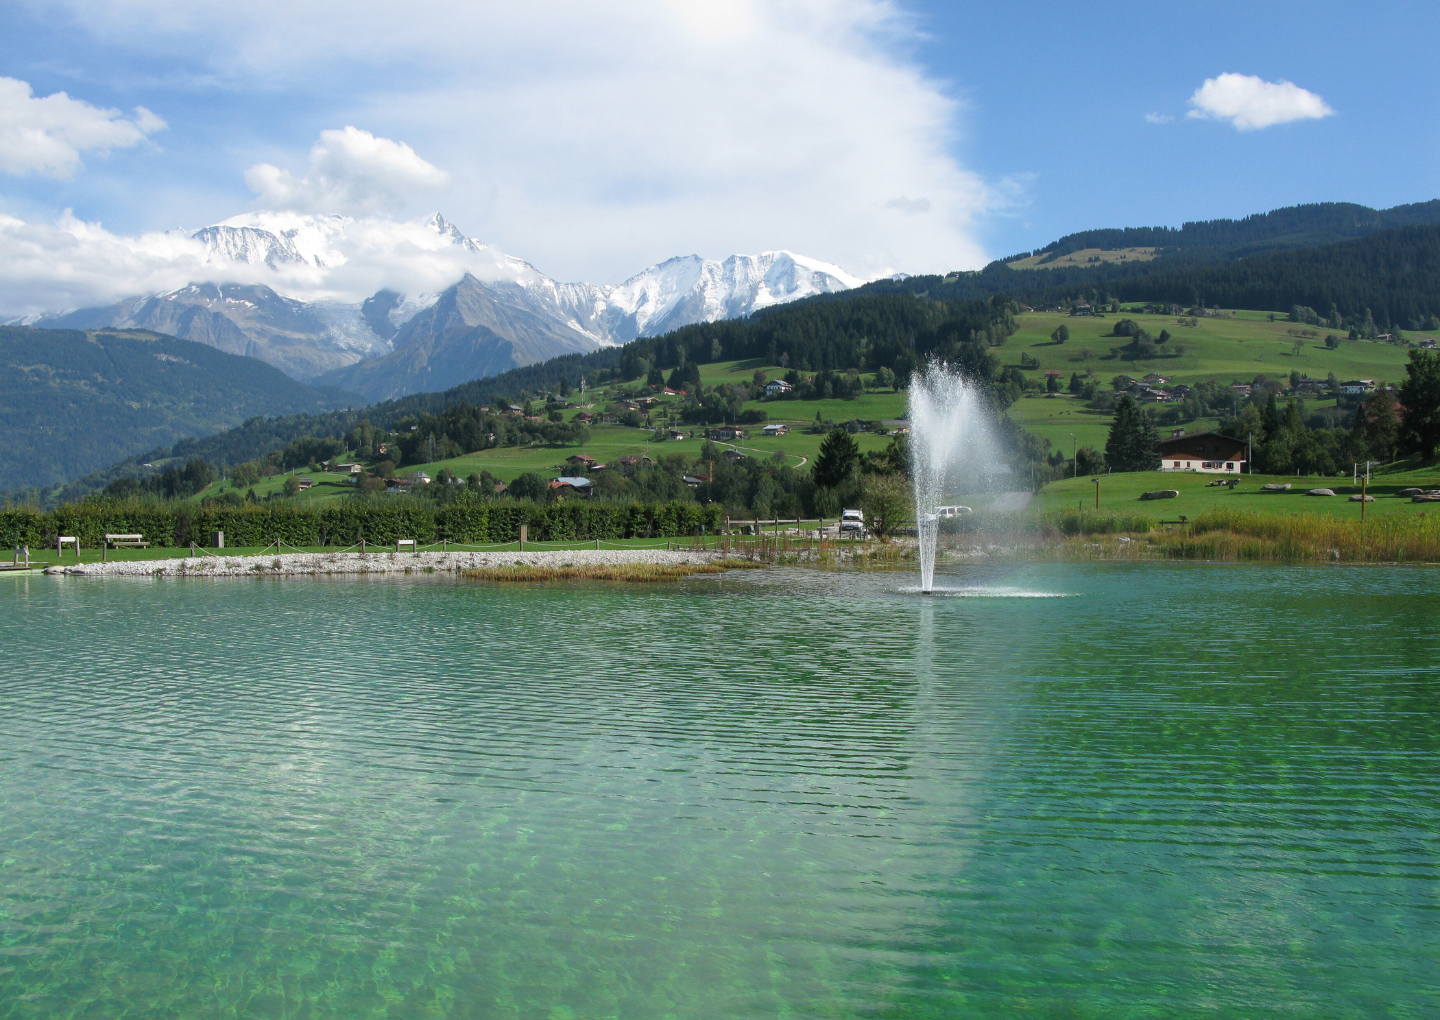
(351, 171)
(1249, 102)
(1158, 118)
(68, 264)
(71, 263)
(594, 139)
(47, 134)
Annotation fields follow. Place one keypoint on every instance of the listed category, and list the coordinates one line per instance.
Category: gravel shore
(300, 564)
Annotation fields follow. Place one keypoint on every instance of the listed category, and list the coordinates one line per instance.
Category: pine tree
(1420, 395)
(1134, 441)
(838, 457)
(1270, 417)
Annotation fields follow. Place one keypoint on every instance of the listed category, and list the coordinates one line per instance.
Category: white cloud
(351, 171)
(594, 139)
(72, 264)
(69, 264)
(1158, 118)
(1250, 102)
(46, 135)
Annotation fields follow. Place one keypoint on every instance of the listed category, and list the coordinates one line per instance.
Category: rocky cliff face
(471, 331)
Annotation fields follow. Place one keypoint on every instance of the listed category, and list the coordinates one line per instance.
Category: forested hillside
(1391, 278)
(1298, 226)
(893, 331)
(72, 402)
(1364, 286)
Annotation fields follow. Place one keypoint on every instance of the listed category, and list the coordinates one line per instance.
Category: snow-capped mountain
(280, 281)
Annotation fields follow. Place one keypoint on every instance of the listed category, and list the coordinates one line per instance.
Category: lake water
(1060, 791)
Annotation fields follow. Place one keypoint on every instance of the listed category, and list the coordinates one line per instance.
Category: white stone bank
(301, 564)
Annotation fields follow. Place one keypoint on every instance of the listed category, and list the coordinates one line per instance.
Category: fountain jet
(953, 450)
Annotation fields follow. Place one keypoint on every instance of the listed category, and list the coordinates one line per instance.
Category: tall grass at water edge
(1224, 534)
(1218, 534)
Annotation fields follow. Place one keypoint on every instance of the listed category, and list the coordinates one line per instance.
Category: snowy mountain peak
(311, 292)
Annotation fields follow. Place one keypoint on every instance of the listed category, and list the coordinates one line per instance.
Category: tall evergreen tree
(1270, 417)
(1134, 441)
(1420, 396)
(838, 456)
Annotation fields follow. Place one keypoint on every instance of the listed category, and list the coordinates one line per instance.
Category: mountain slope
(1296, 226)
(268, 271)
(1393, 276)
(253, 320)
(472, 330)
(72, 402)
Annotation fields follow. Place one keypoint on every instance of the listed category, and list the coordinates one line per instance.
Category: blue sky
(1061, 90)
(596, 139)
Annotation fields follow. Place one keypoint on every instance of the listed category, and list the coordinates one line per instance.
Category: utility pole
(1096, 480)
(1074, 452)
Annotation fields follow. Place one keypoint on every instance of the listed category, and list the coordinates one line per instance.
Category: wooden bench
(126, 541)
(406, 541)
(63, 540)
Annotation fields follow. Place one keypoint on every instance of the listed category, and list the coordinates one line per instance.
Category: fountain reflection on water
(954, 450)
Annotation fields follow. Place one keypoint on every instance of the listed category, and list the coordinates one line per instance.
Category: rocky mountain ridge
(499, 311)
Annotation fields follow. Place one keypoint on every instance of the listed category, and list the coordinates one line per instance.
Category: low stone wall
(300, 564)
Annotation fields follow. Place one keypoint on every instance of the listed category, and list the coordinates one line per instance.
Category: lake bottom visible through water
(1058, 791)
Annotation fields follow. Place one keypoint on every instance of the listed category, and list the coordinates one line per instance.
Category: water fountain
(953, 450)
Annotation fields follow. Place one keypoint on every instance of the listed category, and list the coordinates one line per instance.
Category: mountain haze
(277, 282)
(72, 402)
(471, 331)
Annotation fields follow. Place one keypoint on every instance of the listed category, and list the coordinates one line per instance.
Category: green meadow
(1229, 349)
(1234, 348)
(1122, 492)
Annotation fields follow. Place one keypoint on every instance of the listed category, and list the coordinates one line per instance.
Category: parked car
(852, 521)
(944, 512)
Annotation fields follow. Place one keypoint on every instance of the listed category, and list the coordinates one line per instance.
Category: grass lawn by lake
(1122, 491)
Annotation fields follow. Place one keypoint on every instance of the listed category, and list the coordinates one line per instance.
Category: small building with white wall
(1204, 451)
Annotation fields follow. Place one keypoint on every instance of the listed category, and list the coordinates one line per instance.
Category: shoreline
(309, 564)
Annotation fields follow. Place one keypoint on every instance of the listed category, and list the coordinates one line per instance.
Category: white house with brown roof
(1205, 452)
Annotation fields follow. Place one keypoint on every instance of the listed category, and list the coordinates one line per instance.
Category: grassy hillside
(1235, 348)
(72, 402)
(1232, 348)
(1084, 257)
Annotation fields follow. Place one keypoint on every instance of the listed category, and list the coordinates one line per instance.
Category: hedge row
(347, 523)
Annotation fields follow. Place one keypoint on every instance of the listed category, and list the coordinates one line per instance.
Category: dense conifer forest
(1391, 278)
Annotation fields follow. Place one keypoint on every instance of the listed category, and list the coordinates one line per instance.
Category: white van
(851, 520)
(944, 512)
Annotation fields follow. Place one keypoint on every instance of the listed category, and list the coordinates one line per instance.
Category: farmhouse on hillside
(1203, 451)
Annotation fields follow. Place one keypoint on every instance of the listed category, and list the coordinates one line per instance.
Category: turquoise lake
(1056, 791)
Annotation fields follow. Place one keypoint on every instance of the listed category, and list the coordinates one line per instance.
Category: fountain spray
(953, 450)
